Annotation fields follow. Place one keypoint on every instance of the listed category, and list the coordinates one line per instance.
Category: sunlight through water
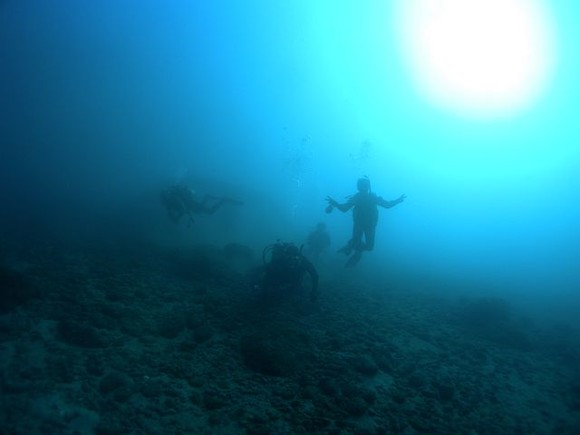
(479, 58)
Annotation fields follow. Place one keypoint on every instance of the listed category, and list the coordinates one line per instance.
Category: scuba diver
(285, 270)
(180, 200)
(365, 215)
(317, 242)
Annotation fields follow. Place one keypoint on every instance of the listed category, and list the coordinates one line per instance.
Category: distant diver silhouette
(365, 215)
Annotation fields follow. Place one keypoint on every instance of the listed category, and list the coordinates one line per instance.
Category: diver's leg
(357, 235)
(357, 245)
(205, 207)
(370, 238)
(170, 206)
(354, 242)
(228, 200)
(216, 206)
(175, 211)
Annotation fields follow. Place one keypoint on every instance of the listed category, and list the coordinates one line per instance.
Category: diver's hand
(331, 201)
(401, 198)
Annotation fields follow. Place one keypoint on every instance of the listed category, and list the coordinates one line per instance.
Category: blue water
(105, 103)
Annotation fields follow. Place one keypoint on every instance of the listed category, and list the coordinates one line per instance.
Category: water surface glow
(480, 58)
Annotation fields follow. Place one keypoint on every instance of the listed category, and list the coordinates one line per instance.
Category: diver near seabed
(284, 272)
(179, 200)
(318, 242)
(365, 215)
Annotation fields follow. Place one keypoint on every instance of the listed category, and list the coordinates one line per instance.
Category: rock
(329, 387)
(275, 353)
(118, 384)
(202, 333)
(15, 289)
(80, 335)
(171, 326)
(483, 312)
(213, 399)
(365, 365)
(356, 406)
(446, 392)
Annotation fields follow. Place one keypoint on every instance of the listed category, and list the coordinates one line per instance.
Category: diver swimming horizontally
(365, 215)
(179, 200)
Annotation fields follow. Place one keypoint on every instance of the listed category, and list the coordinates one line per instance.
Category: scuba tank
(279, 251)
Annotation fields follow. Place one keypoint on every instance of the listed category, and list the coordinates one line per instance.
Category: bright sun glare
(483, 58)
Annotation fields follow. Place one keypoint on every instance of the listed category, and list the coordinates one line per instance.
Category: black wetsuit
(286, 270)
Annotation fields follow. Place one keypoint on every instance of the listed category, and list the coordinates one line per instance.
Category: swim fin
(346, 250)
(353, 261)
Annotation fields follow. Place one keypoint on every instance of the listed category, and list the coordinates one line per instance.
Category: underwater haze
(105, 104)
(284, 104)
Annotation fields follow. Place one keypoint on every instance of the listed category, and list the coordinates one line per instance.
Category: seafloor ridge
(150, 340)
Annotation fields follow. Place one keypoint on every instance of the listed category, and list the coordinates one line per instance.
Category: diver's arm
(218, 201)
(388, 204)
(342, 207)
